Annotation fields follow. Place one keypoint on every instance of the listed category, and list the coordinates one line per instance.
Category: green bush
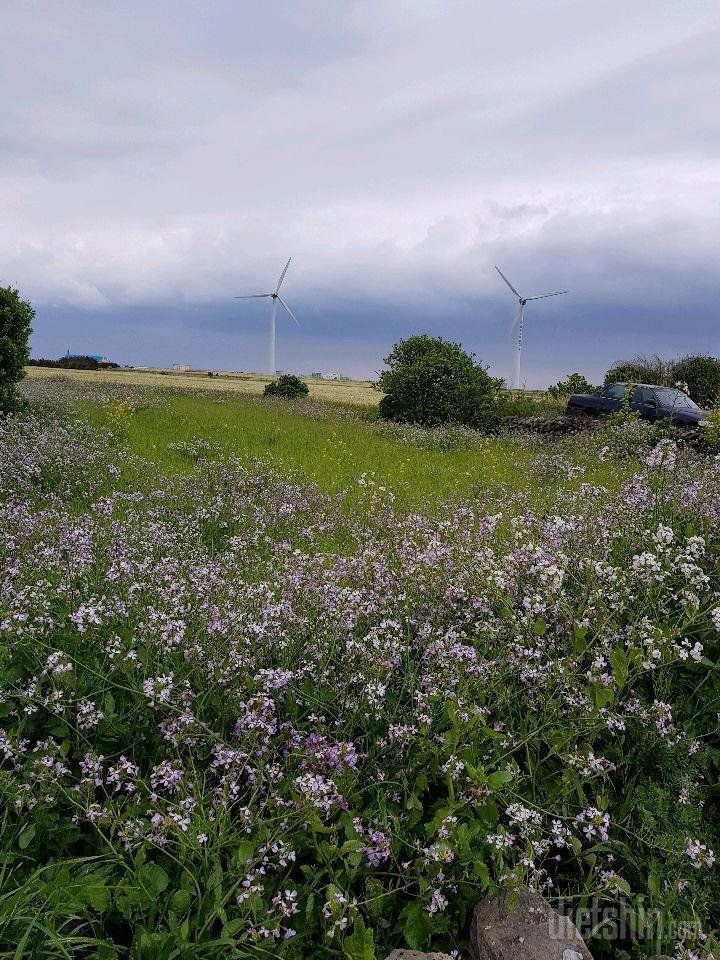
(640, 370)
(78, 363)
(701, 376)
(16, 317)
(575, 383)
(287, 386)
(431, 381)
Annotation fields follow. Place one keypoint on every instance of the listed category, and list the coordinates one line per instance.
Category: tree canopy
(431, 381)
(16, 317)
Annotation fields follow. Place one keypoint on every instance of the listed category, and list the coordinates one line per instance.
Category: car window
(642, 395)
(675, 399)
(616, 391)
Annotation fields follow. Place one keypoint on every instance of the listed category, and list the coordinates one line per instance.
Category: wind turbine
(518, 320)
(273, 297)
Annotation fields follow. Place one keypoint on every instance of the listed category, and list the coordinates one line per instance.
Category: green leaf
(99, 898)
(154, 877)
(359, 945)
(602, 695)
(106, 951)
(231, 929)
(244, 851)
(309, 905)
(417, 927)
(26, 836)
(180, 901)
(579, 639)
(539, 627)
(481, 873)
(498, 778)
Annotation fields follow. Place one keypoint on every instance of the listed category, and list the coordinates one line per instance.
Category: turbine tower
(519, 319)
(274, 298)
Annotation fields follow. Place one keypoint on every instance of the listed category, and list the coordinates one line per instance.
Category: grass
(334, 453)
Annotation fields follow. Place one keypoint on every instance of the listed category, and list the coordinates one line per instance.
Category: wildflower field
(282, 681)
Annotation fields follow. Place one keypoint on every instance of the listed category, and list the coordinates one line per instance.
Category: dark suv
(652, 402)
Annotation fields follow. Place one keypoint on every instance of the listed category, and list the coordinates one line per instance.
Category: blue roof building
(92, 356)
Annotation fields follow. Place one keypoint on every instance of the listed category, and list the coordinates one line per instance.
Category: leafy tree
(432, 381)
(701, 375)
(575, 383)
(16, 317)
(287, 386)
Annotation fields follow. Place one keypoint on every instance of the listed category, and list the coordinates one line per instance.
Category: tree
(16, 317)
(431, 381)
(575, 383)
(701, 376)
(287, 386)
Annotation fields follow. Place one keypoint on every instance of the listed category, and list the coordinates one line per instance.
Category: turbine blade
(288, 309)
(253, 296)
(507, 281)
(282, 275)
(542, 296)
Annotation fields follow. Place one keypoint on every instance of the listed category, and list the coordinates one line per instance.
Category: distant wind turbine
(274, 297)
(518, 320)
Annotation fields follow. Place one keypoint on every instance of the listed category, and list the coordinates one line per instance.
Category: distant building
(316, 376)
(333, 376)
(79, 356)
(180, 367)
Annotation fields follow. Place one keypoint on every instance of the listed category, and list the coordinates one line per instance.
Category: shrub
(16, 317)
(74, 363)
(640, 370)
(432, 381)
(287, 386)
(575, 383)
(78, 363)
(701, 376)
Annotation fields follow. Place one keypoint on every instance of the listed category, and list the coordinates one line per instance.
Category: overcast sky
(157, 158)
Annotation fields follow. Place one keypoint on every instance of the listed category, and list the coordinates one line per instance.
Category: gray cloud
(164, 156)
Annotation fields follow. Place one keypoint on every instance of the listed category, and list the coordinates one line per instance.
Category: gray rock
(416, 955)
(520, 925)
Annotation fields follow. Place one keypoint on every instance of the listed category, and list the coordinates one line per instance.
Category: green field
(336, 450)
